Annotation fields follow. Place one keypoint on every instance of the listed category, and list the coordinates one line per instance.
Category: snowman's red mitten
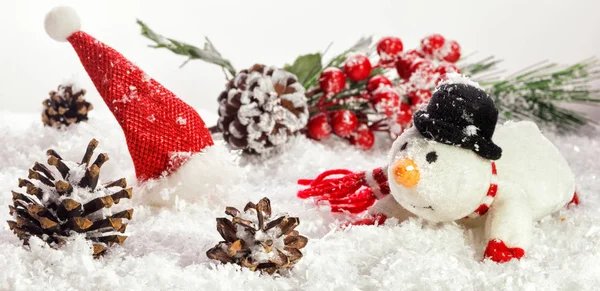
(497, 251)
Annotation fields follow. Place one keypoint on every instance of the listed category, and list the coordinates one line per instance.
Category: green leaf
(305, 67)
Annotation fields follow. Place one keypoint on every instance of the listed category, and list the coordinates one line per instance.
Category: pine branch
(485, 65)
(537, 91)
(208, 54)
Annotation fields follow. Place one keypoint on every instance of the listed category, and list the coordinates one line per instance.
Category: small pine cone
(65, 107)
(69, 197)
(254, 241)
(260, 108)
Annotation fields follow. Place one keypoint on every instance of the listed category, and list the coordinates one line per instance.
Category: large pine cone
(65, 106)
(255, 241)
(70, 198)
(260, 108)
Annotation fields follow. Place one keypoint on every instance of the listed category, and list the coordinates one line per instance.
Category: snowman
(457, 164)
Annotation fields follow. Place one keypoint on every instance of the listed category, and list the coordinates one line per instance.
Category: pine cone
(254, 241)
(260, 108)
(65, 107)
(70, 198)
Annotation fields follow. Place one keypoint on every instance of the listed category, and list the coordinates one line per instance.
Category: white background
(275, 32)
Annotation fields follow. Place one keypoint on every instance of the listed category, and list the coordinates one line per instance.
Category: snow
(133, 95)
(470, 130)
(181, 121)
(456, 78)
(444, 50)
(166, 248)
(68, 82)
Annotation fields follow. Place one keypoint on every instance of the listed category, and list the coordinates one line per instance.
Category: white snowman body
(533, 180)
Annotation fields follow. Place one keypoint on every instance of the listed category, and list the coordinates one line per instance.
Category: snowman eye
(403, 147)
(431, 157)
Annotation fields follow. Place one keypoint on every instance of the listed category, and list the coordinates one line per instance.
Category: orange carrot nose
(405, 173)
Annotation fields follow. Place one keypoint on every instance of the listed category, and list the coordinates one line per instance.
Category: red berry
(318, 127)
(422, 64)
(423, 71)
(445, 68)
(452, 51)
(385, 101)
(404, 117)
(389, 48)
(344, 122)
(415, 53)
(363, 137)
(419, 97)
(332, 81)
(432, 43)
(357, 67)
(378, 81)
(404, 64)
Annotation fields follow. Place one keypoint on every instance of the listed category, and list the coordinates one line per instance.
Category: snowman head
(440, 169)
(436, 181)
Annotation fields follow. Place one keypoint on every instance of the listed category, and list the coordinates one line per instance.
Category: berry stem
(378, 122)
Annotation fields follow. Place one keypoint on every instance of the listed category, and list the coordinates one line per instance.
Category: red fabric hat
(157, 124)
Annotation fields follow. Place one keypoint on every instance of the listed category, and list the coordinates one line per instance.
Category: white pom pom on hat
(61, 22)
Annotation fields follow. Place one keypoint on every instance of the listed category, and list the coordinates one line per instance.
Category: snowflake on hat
(172, 150)
(456, 163)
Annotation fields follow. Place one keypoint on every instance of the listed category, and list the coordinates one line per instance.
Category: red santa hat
(167, 139)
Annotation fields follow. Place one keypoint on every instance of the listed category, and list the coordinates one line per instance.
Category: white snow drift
(166, 249)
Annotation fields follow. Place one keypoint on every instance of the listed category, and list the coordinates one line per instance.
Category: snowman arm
(509, 222)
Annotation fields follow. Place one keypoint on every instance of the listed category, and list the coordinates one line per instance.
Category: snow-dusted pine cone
(65, 106)
(254, 241)
(67, 198)
(261, 108)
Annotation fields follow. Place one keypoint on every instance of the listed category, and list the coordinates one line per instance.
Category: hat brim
(448, 133)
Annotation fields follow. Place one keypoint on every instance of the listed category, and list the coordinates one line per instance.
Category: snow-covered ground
(166, 248)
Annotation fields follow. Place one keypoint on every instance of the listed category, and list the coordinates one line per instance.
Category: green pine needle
(537, 92)
(208, 54)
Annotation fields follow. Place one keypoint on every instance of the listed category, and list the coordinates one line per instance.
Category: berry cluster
(360, 100)
(435, 55)
(343, 122)
(420, 70)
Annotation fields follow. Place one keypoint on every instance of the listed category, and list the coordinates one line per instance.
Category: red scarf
(356, 192)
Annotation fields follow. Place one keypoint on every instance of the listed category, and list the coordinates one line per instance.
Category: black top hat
(461, 115)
